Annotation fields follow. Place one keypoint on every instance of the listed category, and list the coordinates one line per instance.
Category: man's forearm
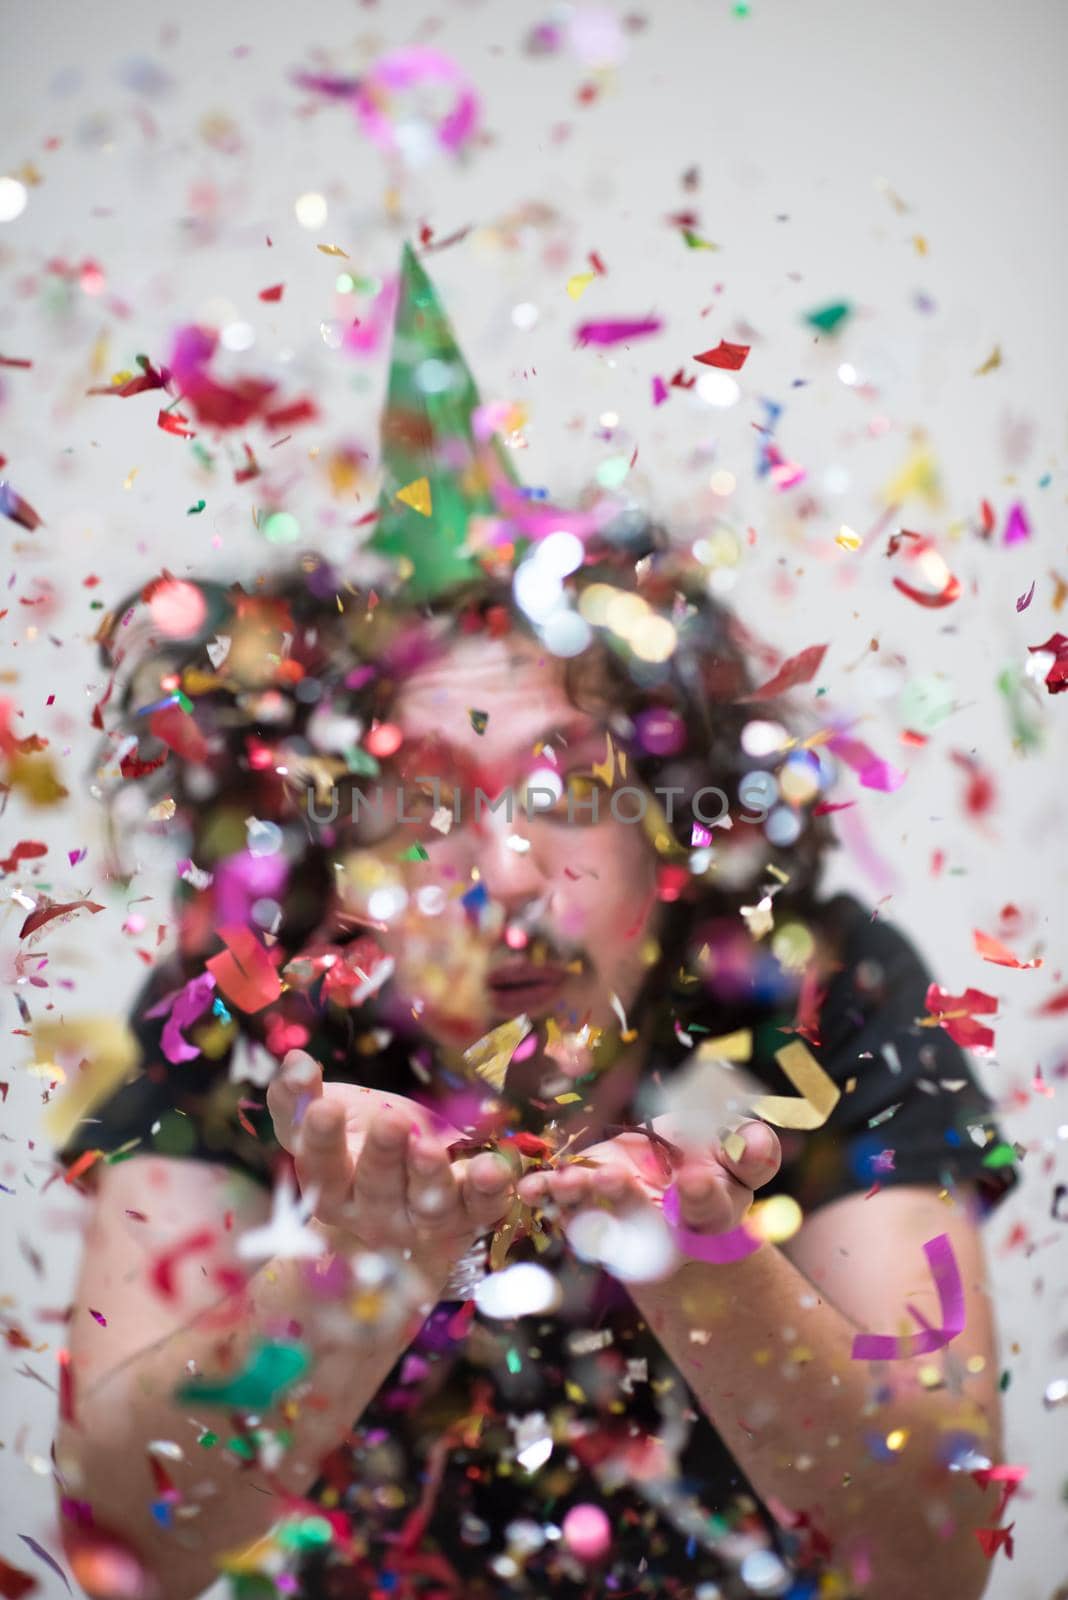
(769, 1362)
(224, 1503)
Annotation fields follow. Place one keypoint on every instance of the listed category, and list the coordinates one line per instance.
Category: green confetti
(695, 242)
(184, 701)
(828, 319)
(513, 1362)
(1005, 1380)
(272, 1368)
(194, 511)
(414, 852)
(1002, 1155)
(208, 1439)
(305, 1533)
(479, 720)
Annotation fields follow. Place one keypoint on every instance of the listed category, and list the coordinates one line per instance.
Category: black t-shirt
(432, 1494)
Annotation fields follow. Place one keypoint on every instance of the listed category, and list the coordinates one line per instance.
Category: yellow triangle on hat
(416, 495)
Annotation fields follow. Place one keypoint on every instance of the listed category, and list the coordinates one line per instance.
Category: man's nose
(507, 860)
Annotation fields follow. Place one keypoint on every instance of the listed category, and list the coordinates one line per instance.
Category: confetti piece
(479, 720)
(874, 773)
(271, 1370)
(795, 671)
(616, 331)
(17, 509)
(14, 1583)
(332, 250)
(820, 1093)
(946, 1274)
(579, 282)
(993, 950)
(829, 318)
(1017, 526)
(1056, 679)
(273, 294)
(490, 1055)
(405, 68)
(731, 357)
(25, 850)
(244, 972)
(992, 362)
(737, 1046)
(49, 1561)
(111, 1052)
(163, 1267)
(1024, 600)
(124, 386)
(848, 539)
(957, 1013)
(416, 495)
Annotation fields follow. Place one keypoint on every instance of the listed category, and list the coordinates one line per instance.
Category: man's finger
(297, 1083)
(380, 1180)
(759, 1160)
(706, 1200)
(323, 1159)
(433, 1196)
(486, 1185)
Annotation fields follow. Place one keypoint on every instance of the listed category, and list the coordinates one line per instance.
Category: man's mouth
(521, 985)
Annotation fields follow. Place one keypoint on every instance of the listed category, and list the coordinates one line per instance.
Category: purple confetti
(1024, 600)
(49, 1561)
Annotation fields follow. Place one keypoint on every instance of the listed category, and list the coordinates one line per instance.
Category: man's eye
(583, 800)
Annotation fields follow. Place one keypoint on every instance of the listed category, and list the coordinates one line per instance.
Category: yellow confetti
(111, 1052)
(606, 770)
(578, 283)
(919, 477)
(416, 495)
(737, 1046)
(734, 1147)
(567, 1099)
(489, 1056)
(820, 1093)
(332, 250)
(920, 243)
(992, 362)
(848, 539)
(128, 481)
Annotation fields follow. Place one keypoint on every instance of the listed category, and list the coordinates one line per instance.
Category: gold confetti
(416, 495)
(848, 539)
(992, 362)
(110, 1052)
(128, 481)
(332, 250)
(820, 1093)
(489, 1056)
(737, 1046)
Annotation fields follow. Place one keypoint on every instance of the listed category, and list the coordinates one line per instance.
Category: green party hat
(436, 475)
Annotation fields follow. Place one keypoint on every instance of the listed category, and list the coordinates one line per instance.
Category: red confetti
(993, 950)
(48, 913)
(15, 1583)
(797, 670)
(273, 294)
(163, 1267)
(957, 1013)
(731, 357)
(15, 361)
(1056, 645)
(174, 422)
(150, 379)
(25, 850)
(19, 510)
(244, 972)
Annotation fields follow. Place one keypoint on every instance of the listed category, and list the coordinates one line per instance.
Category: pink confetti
(1024, 600)
(1017, 527)
(873, 771)
(615, 332)
(734, 1245)
(947, 1279)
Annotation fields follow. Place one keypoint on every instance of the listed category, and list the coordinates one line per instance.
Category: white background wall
(906, 158)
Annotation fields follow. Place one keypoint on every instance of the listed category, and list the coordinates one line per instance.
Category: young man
(463, 904)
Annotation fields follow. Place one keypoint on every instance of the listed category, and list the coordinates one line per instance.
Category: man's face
(543, 912)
